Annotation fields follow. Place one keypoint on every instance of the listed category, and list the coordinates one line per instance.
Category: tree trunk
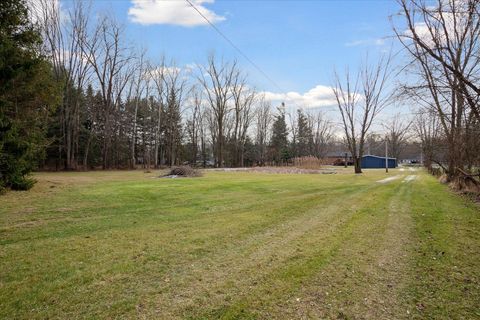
(220, 145)
(157, 135)
(134, 136)
(106, 143)
(87, 149)
(358, 164)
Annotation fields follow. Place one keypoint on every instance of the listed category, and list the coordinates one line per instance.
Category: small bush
(184, 171)
(22, 183)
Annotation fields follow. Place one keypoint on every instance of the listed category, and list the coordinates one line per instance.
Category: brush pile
(183, 171)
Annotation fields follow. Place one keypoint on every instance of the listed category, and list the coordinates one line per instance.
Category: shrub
(22, 183)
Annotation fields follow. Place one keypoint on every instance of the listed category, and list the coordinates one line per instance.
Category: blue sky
(296, 43)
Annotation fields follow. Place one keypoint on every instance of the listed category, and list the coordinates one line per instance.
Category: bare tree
(202, 131)
(397, 134)
(64, 44)
(109, 58)
(322, 130)
(157, 74)
(243, 100)
(443, 41)
(138, 84)
(217, 79)
(92, 116)
(360, 99)
(427, 127)
(447, 35)
(194, 125)
(264, 118)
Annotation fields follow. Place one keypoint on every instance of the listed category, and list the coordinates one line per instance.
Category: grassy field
(238, 245)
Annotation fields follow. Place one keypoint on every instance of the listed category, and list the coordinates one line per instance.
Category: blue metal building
(371, 162)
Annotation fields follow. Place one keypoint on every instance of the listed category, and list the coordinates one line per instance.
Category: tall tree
(110, 60)
(243, 100)
(217, 79)
(264, 117)
(27, 94)
(323, 134)
(157, 76)
(427, 128)
(397, 135)
(304, 135)
(193, 125)
(138, 84)
(360, 99)
(443, 41)
(64, 45)
(90, 123)
(446, 35)
(279, 140)
(175, 87)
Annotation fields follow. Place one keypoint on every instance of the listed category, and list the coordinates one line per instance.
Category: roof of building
(381, 157)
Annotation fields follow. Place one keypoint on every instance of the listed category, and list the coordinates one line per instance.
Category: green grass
(238, 245)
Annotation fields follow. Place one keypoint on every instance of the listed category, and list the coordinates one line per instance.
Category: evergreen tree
(173, 128)
(279, 141)
(26, 93)
(249, 152)
(304, 135)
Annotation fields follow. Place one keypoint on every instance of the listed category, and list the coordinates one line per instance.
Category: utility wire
(236, 47)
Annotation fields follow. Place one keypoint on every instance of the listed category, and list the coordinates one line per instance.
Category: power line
(236, 47)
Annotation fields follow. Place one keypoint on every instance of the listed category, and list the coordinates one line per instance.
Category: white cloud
(319, 96)
(442, 23)
(174, 12)
(165, 70)
(366, 42)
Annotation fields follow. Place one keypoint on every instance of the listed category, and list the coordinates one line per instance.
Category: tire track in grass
(216, 279)
(369, 272)
(280, 265)
(127, 279)
(66, 223)
(141, 280)
(104, 255)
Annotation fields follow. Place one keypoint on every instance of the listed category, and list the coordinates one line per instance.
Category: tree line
(120, 109)
(75, 94)
(112, 107)
(442, 43)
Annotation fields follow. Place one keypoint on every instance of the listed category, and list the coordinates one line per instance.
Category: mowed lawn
(238, 245)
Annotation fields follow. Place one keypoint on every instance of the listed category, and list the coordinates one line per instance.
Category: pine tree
(173, 128)
(304, 135)
(26, 93)
(279, 141)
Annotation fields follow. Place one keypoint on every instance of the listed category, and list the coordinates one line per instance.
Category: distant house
(372, 162)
